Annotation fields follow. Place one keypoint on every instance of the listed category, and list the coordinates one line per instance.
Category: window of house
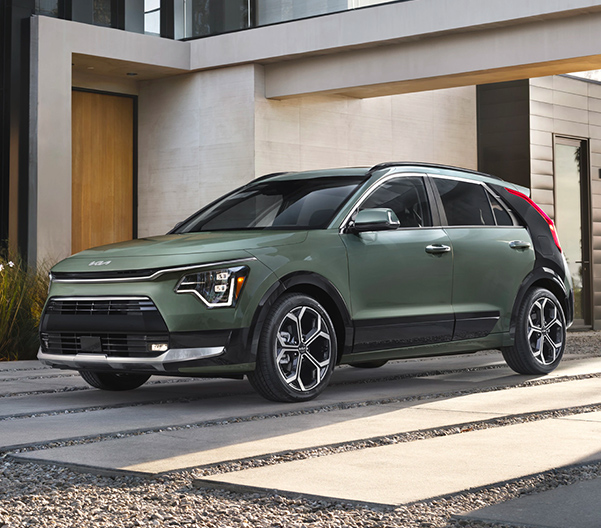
(47, 7)
(102, 13)
(152, 17)
(465, 204)
(407, 197)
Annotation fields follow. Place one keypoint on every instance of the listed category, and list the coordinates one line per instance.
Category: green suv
(294, 273)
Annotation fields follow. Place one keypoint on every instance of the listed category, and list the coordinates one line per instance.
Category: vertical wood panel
(102, 175)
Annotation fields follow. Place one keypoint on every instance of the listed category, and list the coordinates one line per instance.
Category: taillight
(541, 212)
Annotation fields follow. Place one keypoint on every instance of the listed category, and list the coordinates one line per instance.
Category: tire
(297, 350)
(376, 363)
(540, 334)
(114, 382)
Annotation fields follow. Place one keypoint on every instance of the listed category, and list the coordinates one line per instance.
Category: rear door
(492, 256)
(400, 280)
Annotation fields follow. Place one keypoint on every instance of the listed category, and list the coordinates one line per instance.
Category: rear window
(465, 204)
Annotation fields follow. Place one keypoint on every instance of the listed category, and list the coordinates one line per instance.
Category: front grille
(109, 306)
(116, 345)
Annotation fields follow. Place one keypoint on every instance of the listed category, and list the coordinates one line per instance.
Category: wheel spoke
(545, 331)
(303, 348)
(554, 348)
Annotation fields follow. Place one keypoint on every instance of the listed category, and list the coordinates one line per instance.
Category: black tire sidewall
(266, 351)
(114, 381)
(521, 340)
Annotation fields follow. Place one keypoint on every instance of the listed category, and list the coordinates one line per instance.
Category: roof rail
(390, 164)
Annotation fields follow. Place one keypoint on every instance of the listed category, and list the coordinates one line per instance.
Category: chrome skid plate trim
(91, 361)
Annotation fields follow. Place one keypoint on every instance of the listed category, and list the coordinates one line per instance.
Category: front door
(401, 280)
(102, 169)
(572, 219)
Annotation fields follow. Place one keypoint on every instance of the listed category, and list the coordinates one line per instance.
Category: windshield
(276, 204)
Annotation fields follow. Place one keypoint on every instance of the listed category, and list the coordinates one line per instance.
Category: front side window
(276, 204)
(465, 204)
(407, 197)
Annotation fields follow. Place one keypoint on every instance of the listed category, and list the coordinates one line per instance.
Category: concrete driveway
(410, 431)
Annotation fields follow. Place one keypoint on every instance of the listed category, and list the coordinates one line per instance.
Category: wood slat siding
(567, 107)
(102, 175)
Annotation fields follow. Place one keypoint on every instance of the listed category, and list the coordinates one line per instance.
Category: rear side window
(502, 217)
(407, 197)
(465, 204)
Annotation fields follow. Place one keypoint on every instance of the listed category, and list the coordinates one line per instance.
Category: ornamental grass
(23, 291)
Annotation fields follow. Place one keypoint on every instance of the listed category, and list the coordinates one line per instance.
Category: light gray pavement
(576, 505)
(173, 450)
(415, 471)
(136, 411)
(173, 424)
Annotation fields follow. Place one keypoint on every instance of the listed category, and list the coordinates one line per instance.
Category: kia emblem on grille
(99, 263)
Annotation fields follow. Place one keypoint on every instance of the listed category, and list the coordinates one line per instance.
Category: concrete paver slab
(22, 387)
(414, 471)
(168, 451)
(149, 416)
(526, 399)
(19, 365)
(576, 505)
(36, 374)
(64, 401)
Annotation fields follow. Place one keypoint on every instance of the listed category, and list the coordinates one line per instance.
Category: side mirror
(375, 220)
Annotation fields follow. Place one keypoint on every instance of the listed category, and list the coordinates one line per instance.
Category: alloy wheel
(303, 348)
(545, 330)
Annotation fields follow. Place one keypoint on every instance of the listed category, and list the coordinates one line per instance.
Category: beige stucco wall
(195, 142)
(203, 134)
(336, 131)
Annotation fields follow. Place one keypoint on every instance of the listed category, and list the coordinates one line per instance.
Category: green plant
(23, 292)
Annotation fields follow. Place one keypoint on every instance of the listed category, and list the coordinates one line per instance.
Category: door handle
(519, 244)
(437, 249)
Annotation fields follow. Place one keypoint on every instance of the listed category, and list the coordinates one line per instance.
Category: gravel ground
(33, 495)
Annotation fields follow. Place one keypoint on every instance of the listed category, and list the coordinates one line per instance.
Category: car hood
(176, 250)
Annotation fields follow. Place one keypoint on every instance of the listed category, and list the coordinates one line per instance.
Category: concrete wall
(203, 134)
(195, 142)
(336, 131)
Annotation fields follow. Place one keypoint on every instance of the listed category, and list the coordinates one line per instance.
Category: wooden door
(102, 169)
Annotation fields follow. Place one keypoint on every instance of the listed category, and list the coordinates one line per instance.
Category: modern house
(121, 117)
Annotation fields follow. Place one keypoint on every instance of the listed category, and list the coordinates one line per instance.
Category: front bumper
(129, 334)
(163, 363)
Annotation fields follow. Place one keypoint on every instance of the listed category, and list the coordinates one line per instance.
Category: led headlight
(215, 288)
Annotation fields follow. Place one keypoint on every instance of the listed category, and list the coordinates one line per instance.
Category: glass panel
(276, 204)
(501, 215)
(406, 197)
(102, 12)
(568, 215)
(47, 7)
(465, 204)
(273, 11)
(211, 17)
(152, 17)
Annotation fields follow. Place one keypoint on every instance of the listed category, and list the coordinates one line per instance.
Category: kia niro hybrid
(294, 273)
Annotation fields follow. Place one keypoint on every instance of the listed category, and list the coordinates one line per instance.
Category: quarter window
(465, 204)
(502, 217)
(407, 197)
